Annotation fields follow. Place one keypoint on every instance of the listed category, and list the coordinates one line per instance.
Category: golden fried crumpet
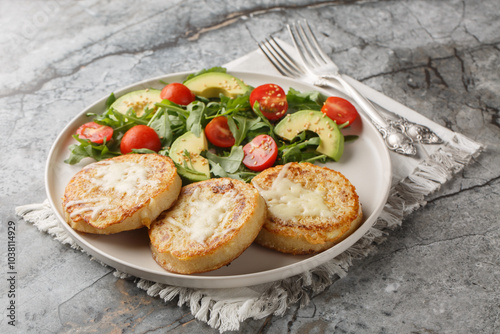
(310, 208)
(120, 194)
(210, 225)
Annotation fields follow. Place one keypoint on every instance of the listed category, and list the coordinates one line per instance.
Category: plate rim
(218, 281)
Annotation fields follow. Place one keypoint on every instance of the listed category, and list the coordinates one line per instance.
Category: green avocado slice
(212, 84)
(139, 100)
(189, 144)
(331, 139)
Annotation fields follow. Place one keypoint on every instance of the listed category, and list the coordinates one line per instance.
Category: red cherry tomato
(177, 93)
(95, 132)
(140, 136)
(218, 133)
(272, 101)
(340, 110)
(260, 153)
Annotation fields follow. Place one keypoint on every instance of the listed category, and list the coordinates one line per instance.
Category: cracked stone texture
(438, 273)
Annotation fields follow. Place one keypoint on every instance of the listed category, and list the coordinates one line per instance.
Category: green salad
(214, 125)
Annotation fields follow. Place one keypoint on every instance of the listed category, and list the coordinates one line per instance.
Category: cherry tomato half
(177, 93)
(140, 136)
(218, 133)
(340, 110)
(272, 101)
(260, 153)
(95, 132)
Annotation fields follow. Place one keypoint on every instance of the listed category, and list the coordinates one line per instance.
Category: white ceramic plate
(365, 163)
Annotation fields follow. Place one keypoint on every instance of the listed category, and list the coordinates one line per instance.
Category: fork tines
(305, 41)
(281, 60)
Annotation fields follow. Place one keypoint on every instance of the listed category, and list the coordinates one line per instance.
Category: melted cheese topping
(205, 216)
(287, 200)
(95, 208)
(123, 177)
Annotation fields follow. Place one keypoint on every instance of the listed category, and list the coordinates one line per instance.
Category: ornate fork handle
(417, 132)
(400, 133)
(395, 139)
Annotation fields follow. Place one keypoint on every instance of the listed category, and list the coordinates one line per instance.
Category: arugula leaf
(238, 132)
(239, 104)
(88, 149)
(177, 116)
(242, 174)
(227, 106)
(239, 127)
(229, 163)
(172, 108)
(321, 158)
(246, 175)
(120, 122)
(193, 123)
(264, 120)
(299, 151)
(304, 100)
(162, 125)
(111, 99)
(217, 170)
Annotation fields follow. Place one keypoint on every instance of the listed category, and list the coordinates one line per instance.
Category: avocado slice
(331, 139)
(193, 145)
(212, 84)
(139, 100)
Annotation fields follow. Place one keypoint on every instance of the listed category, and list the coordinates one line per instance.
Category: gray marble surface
(438, 273)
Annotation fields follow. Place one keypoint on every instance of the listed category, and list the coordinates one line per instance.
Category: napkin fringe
(432, 173)
(43, 218)
(219, 311)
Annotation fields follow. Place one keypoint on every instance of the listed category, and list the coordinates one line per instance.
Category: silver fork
(399, 135)
(394, 139)
(318, 63)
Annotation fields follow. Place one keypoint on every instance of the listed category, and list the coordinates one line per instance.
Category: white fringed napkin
(225, 309)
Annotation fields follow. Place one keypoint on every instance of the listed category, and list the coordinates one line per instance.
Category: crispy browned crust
(307, 234)
(175, 250)
(92, 208)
